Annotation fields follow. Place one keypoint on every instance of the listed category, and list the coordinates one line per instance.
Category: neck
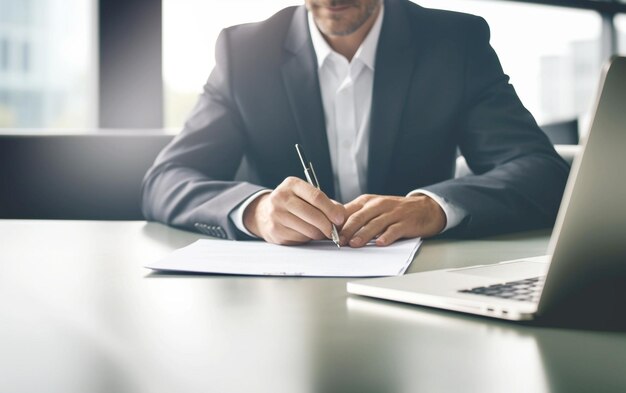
(348, 45)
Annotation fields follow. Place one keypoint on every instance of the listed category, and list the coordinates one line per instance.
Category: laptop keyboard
(523, 290)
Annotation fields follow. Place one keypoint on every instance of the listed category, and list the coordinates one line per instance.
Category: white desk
(78, 313)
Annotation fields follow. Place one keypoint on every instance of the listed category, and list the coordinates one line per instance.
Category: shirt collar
(366, 52)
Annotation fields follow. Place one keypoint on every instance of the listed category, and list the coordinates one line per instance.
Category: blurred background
(87, 64)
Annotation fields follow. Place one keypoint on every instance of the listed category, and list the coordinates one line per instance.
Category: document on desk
(320, 259)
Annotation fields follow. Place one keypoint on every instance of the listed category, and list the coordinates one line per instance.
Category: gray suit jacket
(438, 86)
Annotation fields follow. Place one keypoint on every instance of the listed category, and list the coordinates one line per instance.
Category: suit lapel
(395, 61)
(299, 72)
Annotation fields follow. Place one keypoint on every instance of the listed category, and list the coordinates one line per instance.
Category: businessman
(380, 93)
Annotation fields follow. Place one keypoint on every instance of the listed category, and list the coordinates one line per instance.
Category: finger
(309, 218)
(391, 235)
(316, 197)
(356, 204)
(359, 219)
(374, 227)
(301, 226)
(286, 236)
(351, 207)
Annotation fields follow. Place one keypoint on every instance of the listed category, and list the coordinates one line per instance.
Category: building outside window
(552, 54)
(47, 64)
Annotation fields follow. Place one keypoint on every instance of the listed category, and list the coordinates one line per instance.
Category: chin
(337, 29)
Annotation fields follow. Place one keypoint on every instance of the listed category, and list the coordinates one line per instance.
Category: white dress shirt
(346, 88)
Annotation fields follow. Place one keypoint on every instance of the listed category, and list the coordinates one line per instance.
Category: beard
(338, 24)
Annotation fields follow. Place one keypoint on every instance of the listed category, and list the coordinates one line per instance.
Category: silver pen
(309, 172)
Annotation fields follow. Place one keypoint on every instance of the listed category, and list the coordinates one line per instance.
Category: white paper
(321, 259)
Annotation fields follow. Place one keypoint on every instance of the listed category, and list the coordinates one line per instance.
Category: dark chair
(89, 177)
(563, 132)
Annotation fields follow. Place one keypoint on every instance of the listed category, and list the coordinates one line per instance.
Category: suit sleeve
(518, 178)
(190, 184)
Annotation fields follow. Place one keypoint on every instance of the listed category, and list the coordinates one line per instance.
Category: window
(190, 28)
(25, 57)
(47, 64)
(4, 54)
(620, 24)
(552, 54)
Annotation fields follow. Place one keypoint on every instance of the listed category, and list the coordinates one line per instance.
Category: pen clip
(316, 183)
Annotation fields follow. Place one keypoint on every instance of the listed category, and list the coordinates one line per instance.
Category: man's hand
(294, 213)
(390, 218)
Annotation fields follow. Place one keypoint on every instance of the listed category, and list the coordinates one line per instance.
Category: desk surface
(78, 313)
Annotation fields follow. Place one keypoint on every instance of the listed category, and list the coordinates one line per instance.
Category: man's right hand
(294, 213)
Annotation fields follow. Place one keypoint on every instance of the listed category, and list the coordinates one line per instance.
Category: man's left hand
(389, 218)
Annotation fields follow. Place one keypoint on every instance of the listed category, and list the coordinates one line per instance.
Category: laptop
(586, 266)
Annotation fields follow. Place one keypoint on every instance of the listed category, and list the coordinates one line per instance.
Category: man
(380, 94)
